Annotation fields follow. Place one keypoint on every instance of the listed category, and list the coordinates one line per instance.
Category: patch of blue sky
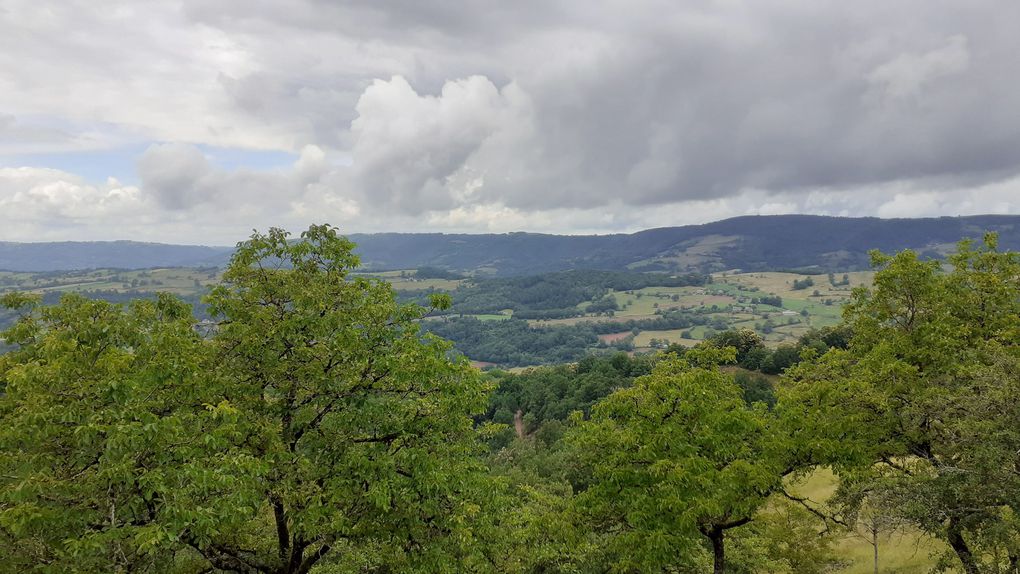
(232, 159)
(97, 166)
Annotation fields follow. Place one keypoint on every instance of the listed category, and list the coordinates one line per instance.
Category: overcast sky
(197, 121)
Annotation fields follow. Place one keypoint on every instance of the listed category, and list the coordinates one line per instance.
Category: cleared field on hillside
(782, 283)
(728, 303)
(406, 281)
(179, 281)
(644, 302)
(644, 338)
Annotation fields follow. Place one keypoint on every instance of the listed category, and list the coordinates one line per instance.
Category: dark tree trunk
(959, 545)
(716, 535)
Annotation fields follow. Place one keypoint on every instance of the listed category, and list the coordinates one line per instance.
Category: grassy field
(729, 304)
(644, 338)
(576, 320)
(180, 281)
(406, 281)
(902, 552)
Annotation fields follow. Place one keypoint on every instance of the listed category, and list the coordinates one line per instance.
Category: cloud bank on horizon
(196, 121)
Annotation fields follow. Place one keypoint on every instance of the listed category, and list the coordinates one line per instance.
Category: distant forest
(753, 243)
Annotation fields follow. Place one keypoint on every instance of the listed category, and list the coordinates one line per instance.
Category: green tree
(102, 414)
(784, 538)
(677, 459)
(916, 410)
(745, 341)
(316, 426)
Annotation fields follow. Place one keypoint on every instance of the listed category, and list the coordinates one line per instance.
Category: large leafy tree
(920, 409)
(677, 460)
(105, 432)
(315, 426)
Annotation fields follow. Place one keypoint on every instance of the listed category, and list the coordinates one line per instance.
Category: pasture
(902, 550)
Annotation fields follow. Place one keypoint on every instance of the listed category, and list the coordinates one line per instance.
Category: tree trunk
(959, 545)
(716, 535)
(874, 545)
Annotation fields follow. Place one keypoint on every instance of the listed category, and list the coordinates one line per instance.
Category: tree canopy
(920, 408)
(676, 457)
(316, 425)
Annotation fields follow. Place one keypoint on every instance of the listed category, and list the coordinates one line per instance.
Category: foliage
(319, 423)
(916, 408)
(784, 538)
(755, 388)
(773, 300)
(552, 393)
(316, 426)
(515, 343)
(743, 341)
(436, 273)
(676, 459)
(799, 284)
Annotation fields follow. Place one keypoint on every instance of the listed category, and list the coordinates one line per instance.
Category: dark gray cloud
(663, 102)
(561, 112)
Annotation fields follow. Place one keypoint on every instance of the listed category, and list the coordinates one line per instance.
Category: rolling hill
(752, 243)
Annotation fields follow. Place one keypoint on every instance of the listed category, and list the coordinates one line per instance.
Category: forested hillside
(754, 243)
(77, 255)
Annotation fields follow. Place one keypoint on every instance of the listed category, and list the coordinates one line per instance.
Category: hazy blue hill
(751, 243)
(70, 255)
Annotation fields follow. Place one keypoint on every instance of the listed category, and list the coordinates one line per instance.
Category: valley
(637, 320)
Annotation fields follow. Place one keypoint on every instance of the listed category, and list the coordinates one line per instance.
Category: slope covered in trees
(754, 243)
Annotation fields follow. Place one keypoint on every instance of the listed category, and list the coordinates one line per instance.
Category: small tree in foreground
(677, 460)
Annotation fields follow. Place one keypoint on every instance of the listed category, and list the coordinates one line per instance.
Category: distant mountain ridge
(76, 255)
(751, 243)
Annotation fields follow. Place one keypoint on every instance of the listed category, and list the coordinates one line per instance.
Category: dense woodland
(317, 427)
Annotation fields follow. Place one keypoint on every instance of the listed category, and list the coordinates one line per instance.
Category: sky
(199, 121)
